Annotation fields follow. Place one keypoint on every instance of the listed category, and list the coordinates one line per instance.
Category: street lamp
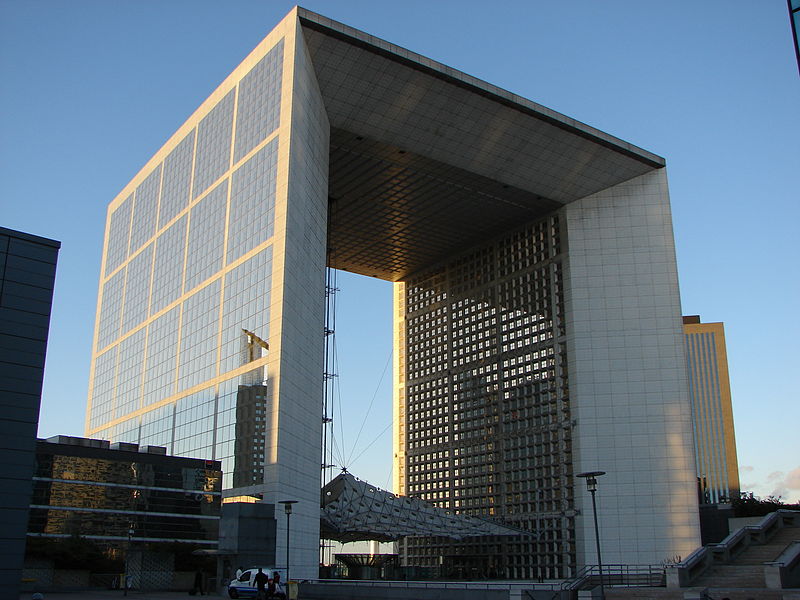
(127, 562)
(287, 507)
(591, 485)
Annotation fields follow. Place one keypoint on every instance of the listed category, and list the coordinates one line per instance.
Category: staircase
(747, 569)
(733, 569)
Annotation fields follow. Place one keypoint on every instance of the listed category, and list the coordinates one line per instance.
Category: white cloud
(780, 484)
(792, 480)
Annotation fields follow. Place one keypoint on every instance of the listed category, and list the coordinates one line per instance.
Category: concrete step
(758, 554)
(735, 576)
(643, 594)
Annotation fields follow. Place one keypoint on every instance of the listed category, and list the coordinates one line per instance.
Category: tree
(750, 505)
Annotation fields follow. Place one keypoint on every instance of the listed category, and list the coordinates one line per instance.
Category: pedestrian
(261, 580)
(275, 588)
(198, 583)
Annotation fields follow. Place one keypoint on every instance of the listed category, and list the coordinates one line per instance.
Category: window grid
(177, 179)
(206, 237)
(145, 209)
(162, 356)
(246, 306)
(199, 333)
(137, 289)
(118, 234)
(213, 154)
(259, 103)
(110, 309)
(487, 424)
(252, 206)
(129, 374)
(168, 266)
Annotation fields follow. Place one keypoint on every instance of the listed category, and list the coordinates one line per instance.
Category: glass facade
(486, 427)
(794, 18)
(186, 288)
(101, 494)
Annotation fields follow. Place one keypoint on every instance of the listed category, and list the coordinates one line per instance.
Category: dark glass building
(794, 18)
(104, 492)
(27, 275)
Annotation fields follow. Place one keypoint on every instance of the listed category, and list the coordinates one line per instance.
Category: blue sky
(91, 89)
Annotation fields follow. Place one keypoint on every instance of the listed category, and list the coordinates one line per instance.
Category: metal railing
(617, 576)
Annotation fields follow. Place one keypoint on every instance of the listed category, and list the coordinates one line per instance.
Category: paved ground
(117, 595)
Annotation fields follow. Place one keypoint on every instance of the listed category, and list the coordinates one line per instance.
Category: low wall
(420, 590)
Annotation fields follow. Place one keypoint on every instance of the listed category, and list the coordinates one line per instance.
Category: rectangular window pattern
(137, 289)
(708, 423)
(110, 309)
(243, 410)
(145, 209)
(177, 179)
(162, 356)
(129, 374)
(118, 232)
(168, 267)
(194, 424)
(206, 237)
(156, 427)
(487, 428)
(247, 295)
(103, 386)
(213, 145)
(252, 202)
(198, 356)
(181, 274)
(259, 104)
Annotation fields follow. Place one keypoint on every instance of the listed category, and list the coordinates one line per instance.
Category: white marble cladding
(628, 384)
(293, 465)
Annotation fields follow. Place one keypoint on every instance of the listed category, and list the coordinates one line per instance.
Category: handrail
(789, 556)
(784, 571)
(683, 573)
(615, 574)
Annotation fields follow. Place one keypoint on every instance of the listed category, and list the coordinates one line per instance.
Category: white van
(245, 585)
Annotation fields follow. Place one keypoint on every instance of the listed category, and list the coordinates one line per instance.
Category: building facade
(537, 318)
(27, 276)
(107, 492)
(794, 21)
(710, 392)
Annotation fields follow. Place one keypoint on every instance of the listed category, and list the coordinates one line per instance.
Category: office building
(117, 502)
(537, 316)
(794, 20)
(103, 492)
(712, 413)
(27, 275)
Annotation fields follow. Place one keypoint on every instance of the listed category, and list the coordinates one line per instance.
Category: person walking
(261, 580)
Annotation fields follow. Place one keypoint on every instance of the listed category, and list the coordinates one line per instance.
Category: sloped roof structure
(353, 510)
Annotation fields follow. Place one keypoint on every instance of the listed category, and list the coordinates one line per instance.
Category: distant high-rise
(712, 413)
(27, 276)
(537, 315)
(794, 20)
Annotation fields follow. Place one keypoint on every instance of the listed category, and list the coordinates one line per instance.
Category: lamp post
(127, 562)
(591, 485)
(287, 507)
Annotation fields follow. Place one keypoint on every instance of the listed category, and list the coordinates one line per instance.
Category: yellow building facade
(712, 410)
